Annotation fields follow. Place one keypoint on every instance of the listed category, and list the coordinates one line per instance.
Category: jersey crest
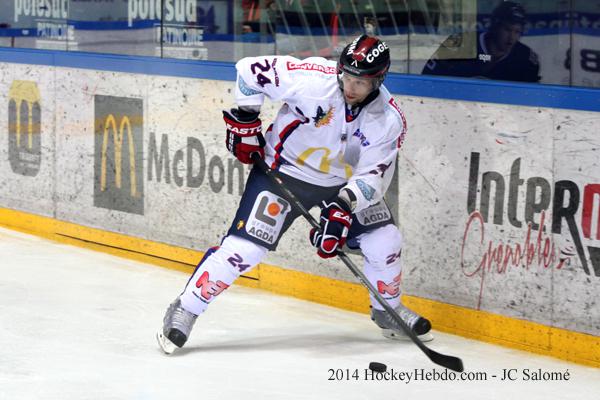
(323, 118)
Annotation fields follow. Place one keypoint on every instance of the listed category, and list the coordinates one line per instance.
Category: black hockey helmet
(508, 12)
(365, 57)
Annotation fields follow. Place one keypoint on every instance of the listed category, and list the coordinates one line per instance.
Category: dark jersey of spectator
(520, 64)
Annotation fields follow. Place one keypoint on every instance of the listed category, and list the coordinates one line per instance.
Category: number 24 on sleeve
(261, 79)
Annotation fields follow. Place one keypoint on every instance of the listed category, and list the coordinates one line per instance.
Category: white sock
(219, 270)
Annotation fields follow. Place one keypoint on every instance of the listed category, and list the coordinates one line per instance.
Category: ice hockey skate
(391, 330)
(177, 325)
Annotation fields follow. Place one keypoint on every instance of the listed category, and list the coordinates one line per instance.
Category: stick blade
(450, 362)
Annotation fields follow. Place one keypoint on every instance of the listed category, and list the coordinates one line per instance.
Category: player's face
(356, 89)
(507, 35)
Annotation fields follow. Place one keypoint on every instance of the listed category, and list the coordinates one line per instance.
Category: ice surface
(78, 324)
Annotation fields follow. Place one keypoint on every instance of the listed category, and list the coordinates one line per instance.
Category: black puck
(377, 367)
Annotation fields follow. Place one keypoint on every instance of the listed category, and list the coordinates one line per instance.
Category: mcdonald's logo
(24, 128)
(118, 154)
(325, 164)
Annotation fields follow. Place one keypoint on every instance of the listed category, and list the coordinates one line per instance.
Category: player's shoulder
(450, 50)
(391, 107)
(311, 65)
(525, 53)
(264, 62)
(386, 113)
(453, 42)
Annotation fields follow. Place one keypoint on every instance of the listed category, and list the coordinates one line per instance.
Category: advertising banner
(499, 206)
(27, 150)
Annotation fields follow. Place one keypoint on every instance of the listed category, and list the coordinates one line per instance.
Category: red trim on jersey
(392, 102)
(283, 135)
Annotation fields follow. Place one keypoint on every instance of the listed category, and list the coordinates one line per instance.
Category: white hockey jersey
(314, 137)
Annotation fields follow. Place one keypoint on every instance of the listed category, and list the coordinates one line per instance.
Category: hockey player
(334, 143)
(500, 54)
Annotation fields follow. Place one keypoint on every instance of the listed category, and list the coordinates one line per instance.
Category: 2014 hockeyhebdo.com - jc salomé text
(435, 375)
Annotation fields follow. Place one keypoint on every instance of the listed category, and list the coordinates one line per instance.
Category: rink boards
(499, 204)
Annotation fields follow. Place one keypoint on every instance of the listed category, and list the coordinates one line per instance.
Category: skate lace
(179, 318)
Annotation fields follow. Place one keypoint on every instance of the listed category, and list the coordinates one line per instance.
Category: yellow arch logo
(25, 92)
(325, 165)
(110, 124)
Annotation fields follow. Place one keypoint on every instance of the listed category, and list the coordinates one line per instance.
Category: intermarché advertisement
(500, 207)
(562, 208)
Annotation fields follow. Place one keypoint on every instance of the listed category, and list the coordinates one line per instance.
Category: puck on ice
(377, 367)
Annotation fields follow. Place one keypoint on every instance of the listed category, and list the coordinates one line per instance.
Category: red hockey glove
(336, 218)
(244, 134)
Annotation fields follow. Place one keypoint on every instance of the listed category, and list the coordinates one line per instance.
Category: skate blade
(393, 335)
(165, 344)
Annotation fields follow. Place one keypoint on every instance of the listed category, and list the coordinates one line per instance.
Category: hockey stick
(450, 362)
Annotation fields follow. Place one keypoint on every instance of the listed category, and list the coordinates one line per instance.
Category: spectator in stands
(500, 54)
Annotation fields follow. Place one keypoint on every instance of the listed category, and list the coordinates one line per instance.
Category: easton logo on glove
(335, 224)
(244, 134)
(244, 130)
